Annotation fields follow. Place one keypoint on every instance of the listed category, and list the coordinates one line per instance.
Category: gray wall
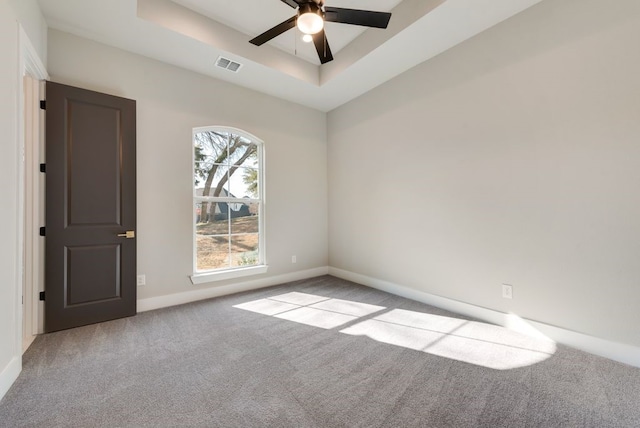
(170, 102)
(512, 158)
(9, 282)
(27, 13)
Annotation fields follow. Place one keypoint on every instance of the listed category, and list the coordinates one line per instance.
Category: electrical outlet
(507, 291)
(142, 280)
(293, 259)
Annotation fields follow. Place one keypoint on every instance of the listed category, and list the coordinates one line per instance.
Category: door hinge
(43, 167)
(43, 231)
(43, 104)
(42, 296)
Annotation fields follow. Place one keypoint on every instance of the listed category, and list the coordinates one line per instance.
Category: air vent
(227, 64)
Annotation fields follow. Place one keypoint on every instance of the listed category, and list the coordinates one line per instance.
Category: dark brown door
(90, 273)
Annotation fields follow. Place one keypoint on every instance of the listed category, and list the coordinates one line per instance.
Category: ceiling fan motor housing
(311, 7)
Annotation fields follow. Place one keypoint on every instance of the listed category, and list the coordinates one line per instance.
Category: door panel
(104, 275)
(90, 273)
(92, 201)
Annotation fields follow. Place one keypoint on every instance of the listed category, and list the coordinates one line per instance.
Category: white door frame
(30, 194)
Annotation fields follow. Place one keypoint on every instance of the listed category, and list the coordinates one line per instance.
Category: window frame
(199, 277)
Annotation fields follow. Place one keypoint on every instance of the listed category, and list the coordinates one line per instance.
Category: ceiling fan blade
(274, 32)
(366, 18)
(294, 4)
(322, 47)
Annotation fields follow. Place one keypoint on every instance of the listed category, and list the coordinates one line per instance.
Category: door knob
(129, 234)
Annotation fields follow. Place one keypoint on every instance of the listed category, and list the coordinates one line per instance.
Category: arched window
(228, 197)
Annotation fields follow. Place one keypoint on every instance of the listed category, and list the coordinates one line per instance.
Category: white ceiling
(192, 34)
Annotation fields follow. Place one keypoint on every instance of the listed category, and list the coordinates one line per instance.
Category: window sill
(201, 278)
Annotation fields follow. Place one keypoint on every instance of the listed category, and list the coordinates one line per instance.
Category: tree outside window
(228, 199)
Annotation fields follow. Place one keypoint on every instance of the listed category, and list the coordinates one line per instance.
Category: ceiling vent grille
(227, 64)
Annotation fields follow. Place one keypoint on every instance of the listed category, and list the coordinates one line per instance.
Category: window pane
(250, 156)
(211, 146)
(244, 183)
(244, 250)
(212, 218)
(201, 170)
(217, 185)
(218, 181)
(212, 252)
(245, 219)
(242, 152)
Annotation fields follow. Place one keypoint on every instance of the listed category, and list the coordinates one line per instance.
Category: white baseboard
(151, 303)
(623, 353)
(9, 375)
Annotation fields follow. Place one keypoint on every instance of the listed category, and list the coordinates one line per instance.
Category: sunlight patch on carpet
(310, 309)
(471, 342)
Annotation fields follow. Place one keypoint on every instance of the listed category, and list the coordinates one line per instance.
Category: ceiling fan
(310, 20)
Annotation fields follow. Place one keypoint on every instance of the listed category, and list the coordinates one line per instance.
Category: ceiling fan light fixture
(310, 18)
(310, 22)
(307, 38)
